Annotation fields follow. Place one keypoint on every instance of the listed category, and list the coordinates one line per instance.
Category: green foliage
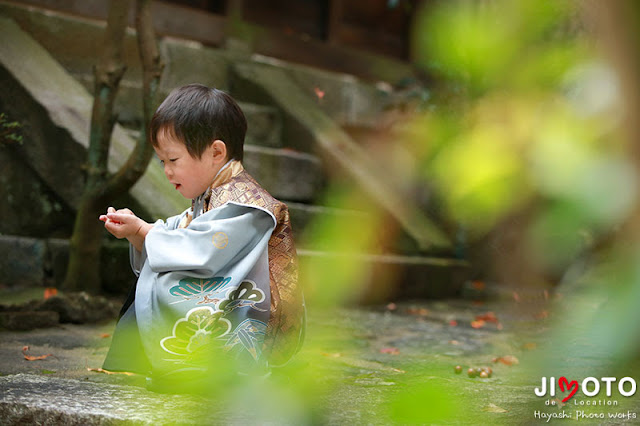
(539, 105)
(536, 128)
(9, 130)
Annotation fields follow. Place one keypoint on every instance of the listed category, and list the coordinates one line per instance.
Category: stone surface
(343, 97)
(28, 320)
(43, 262)
(77, 308)
(357, 365)
(50, 400)
(264, 126)
(303, 215)
(72, 41)
(286, 174)
(275, 86)
(21, 261)
(384, 277)
(57, 109)
(23, 192)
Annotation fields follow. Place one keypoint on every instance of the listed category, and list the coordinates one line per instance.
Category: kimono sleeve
(210, 242)
(137, 258)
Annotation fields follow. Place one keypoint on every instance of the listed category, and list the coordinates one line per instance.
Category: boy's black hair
(198, 115)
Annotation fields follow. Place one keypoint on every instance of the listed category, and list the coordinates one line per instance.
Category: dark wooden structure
(367, 38)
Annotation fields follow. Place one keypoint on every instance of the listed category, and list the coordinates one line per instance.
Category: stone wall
(35, 262)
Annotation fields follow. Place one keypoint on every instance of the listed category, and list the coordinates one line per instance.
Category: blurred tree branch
(83, 271)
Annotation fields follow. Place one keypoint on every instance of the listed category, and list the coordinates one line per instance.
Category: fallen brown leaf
(32, 357)
(507, 360)
(102, 370)
(418, 311)
(488, 317)
(319, 93)
(105, 335)
(477, 323)
(50, 292)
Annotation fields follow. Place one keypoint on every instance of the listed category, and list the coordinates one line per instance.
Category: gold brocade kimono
(285, 329)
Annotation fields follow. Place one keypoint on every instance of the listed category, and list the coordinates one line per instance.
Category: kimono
(219, 278)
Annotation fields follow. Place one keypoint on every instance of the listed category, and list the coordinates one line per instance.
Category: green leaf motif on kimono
(194, 287)
(247, 294)
(197, 330)
(250, 335)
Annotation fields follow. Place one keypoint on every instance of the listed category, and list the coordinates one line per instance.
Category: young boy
(222, 276)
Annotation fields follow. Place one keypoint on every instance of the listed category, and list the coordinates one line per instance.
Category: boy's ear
(219, 151)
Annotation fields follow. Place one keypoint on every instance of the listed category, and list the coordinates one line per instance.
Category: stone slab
(21, 187)
(379, 278)
(72, 40)
(28, 320)
(274, 85)
(302, 215)
(286, 174)
(57, 110)
(264, 125)
(32, 399)
(21, 261)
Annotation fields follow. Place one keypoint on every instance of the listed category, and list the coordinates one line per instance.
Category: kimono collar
(200, 204)
(230, 169)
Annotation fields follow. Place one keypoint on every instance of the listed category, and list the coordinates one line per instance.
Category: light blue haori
(203, 284)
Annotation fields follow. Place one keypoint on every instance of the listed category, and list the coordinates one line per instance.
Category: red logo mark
(563, 381)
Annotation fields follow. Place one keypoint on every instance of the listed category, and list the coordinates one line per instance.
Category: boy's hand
(124, 224)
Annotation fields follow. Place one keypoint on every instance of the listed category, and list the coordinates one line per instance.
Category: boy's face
(190, 176)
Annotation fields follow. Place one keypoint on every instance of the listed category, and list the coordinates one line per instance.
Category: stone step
(286, 174)
(34, 261)
(273, 85)
(302, 215)
(264, 124)
(378, 278)
(57, 107)
(72, 40)
(37, 399)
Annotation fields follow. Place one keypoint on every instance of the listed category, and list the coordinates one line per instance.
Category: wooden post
(335, 21)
